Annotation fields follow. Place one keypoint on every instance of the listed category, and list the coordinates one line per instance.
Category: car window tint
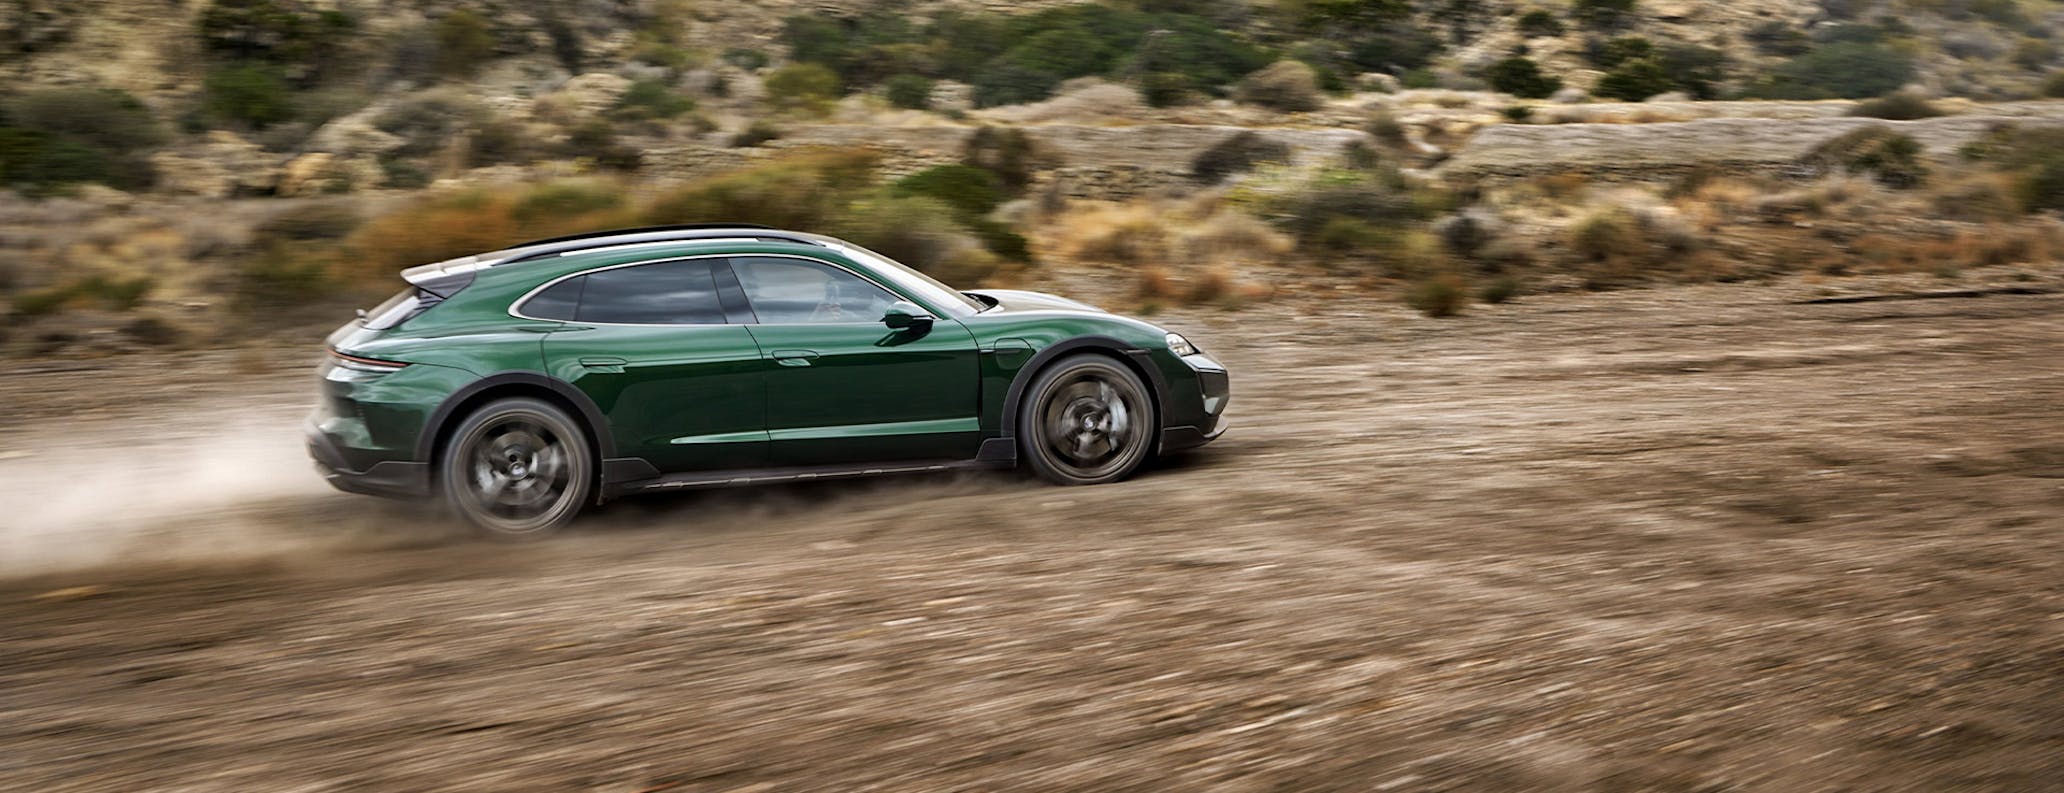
(665, 293)
(558, 302)
(799, 292)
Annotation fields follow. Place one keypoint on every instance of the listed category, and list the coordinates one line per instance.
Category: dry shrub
(1438, 295)
(1985, 197)
(1193, 233)
(1289, 86)
(1154, 284)
(1210, 286)
(474, 221)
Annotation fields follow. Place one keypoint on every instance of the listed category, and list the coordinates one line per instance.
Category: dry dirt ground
(1687, 539)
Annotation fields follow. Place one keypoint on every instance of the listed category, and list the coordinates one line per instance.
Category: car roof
(448, 276)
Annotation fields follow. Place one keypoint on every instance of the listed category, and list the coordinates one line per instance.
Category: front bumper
(1214, 389)
(391, 479)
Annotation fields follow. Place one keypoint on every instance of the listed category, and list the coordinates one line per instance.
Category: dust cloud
(197, 489)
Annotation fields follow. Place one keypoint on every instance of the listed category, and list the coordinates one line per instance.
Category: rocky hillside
(183, 167)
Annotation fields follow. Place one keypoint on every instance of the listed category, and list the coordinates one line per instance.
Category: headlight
(1180, 346)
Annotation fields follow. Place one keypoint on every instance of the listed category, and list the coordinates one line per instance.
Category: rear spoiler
(444, 279)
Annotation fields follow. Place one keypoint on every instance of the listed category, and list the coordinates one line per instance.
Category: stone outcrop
(220, 166)
(1641, 152)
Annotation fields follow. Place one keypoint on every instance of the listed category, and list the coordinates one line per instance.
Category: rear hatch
(428, 286)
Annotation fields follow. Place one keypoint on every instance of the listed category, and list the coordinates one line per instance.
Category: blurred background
(1630, 395)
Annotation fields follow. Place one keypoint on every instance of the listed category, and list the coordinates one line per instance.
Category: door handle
(604, 363)
(794, 357)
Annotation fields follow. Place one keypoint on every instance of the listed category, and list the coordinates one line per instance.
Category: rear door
(844, 388)
(651, 344)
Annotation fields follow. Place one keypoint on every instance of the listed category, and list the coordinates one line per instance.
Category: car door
(844, 388)
(651, 344)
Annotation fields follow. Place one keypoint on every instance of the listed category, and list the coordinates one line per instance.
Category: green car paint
(735, 392)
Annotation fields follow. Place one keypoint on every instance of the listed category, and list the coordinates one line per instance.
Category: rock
(1674, 11)
(355, 135)
(1569, 96)
(1378, 82)
(319, 173)
(593, 93)
(221, 165)
(1673, 96)
(949, 96)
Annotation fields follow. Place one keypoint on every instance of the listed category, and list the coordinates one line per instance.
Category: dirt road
(1689, 539)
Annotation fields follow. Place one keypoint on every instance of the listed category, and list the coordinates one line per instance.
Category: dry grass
(1198, 232)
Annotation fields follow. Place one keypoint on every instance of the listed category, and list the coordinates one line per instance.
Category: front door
(844, 388)
(650, 344)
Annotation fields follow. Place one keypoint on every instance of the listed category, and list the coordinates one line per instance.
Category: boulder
(221, 165)
(592, 94)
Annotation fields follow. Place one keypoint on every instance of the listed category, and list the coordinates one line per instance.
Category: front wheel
(517, 468)
(1086, 420)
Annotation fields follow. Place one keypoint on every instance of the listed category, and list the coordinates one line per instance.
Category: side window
(558, 302)
(799, 292)
(664, 293)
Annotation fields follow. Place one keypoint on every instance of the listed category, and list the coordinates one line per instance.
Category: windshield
(941, 296)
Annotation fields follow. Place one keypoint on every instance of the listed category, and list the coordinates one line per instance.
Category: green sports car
(524, 384)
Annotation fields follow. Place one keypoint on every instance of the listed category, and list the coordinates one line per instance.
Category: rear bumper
(390, 479)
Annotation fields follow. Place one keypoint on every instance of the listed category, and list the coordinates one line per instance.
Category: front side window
(662, 293)
(801, 292)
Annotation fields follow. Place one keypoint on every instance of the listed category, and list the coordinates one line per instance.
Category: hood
(1013, 300)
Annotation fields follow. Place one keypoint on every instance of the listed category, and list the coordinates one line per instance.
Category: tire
(1086, 420)
(517, 468)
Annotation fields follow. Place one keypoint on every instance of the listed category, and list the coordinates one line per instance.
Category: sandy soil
(1689, 539)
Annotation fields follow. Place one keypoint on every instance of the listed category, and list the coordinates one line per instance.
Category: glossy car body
(748, 388)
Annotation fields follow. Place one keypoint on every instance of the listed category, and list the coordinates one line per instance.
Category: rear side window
(561, 301)
(662, 293)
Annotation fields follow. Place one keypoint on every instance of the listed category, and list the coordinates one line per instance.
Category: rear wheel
(517, 468)
(1086, 420)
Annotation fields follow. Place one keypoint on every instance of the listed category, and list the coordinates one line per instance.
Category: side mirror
(903, 315)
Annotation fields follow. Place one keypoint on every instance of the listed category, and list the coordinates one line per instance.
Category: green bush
(1236, 154)
(1537, 23)
(2054, 86)
(1166, 89)
(307, 43)
(1604, 14)
(1521, 77)
(2042, 188)
(746, 58)
(1897, 106)
(500, 142)
(464, 42)
(1778, 37)
(1608, 53)
(1635, 81)
(249, 94)
(1381, 201)
(908, 91)
(1004, 151)
(650, 99)
(1895, 160)
(921, 232)
(596, 139)
(969, 190)
(803, 86)
(280, 276)
(1849, 69)
(69, 135)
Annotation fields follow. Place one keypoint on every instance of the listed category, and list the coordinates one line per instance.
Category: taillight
(363, 364)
